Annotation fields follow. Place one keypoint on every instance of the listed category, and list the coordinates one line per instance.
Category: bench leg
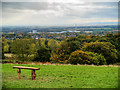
(19, 71)
(33, 75)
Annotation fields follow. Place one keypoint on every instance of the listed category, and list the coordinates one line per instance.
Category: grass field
(61, 76)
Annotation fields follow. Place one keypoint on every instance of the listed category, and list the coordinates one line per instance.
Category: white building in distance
(34, 31)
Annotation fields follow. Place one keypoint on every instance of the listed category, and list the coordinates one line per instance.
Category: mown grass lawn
(61, 76)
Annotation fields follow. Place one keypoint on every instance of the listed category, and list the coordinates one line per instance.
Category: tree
(3, 56)
(34, 48)
(73, 43)
(96, 59)
(105, 48)
(63, 52)
(7, 44)
(53, 44)
(6, 48)
(43, 55)
(42, 42)
(70, 44)
(61, 57)
(21, 48)
(82, 57)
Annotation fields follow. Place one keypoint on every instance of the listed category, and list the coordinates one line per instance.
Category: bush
(3, 56)
(82, 57)
(105, 48)
(61, 54)
(22, 48)
(96, 59)
(59, 58)
(43, 55)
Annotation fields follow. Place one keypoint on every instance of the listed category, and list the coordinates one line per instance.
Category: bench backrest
(22, 67)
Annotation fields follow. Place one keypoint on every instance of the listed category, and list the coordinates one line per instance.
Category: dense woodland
(83, 49)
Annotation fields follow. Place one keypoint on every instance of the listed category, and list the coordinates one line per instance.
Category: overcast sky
(59, 12)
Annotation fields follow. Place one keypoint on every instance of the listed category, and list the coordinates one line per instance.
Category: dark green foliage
(64, 50)
(105, 48)
(82, 57)
(43, 55)
(3, 56)
(22, 49)
(62, 53)
(74, 43)
(101, 47)
(53, 44)
(59, 57)
(96, 59)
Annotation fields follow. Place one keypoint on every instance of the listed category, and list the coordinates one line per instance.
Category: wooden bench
(30, 68)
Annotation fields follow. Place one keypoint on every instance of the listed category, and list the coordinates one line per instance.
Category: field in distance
(61, 76)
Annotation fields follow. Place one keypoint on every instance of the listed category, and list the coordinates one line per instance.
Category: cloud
(58, 12)
(61, 1)
(26, 5)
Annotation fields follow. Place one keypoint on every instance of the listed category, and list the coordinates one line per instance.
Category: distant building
(88, 31)
(34, 31)
(29, 32)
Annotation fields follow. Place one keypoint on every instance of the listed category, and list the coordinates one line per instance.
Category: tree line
(83, 49)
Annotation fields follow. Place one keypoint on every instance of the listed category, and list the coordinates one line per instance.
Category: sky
(59, 12)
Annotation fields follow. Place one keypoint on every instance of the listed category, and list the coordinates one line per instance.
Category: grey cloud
(109, 10)
(68, 11)
(27, 5)
(106, 13)
(48, 6)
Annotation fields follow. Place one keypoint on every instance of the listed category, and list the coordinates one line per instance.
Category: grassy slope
(61, 76)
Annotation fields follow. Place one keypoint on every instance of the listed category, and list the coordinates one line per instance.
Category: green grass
(61, 76)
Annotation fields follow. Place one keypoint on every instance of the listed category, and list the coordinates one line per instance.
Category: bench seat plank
(22, 67)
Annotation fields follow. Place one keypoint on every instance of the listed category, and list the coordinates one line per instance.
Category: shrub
(96, 59)
(60, 58)
(61, 54)
(105, 48)
(22, 48)
(3, 56)
(53, 44)
(82, 57)
(43, 55)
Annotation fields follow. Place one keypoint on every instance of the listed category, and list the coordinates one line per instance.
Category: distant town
(56, 32)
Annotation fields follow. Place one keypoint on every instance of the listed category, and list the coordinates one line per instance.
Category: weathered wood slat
(22, 67)
(19, 71)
